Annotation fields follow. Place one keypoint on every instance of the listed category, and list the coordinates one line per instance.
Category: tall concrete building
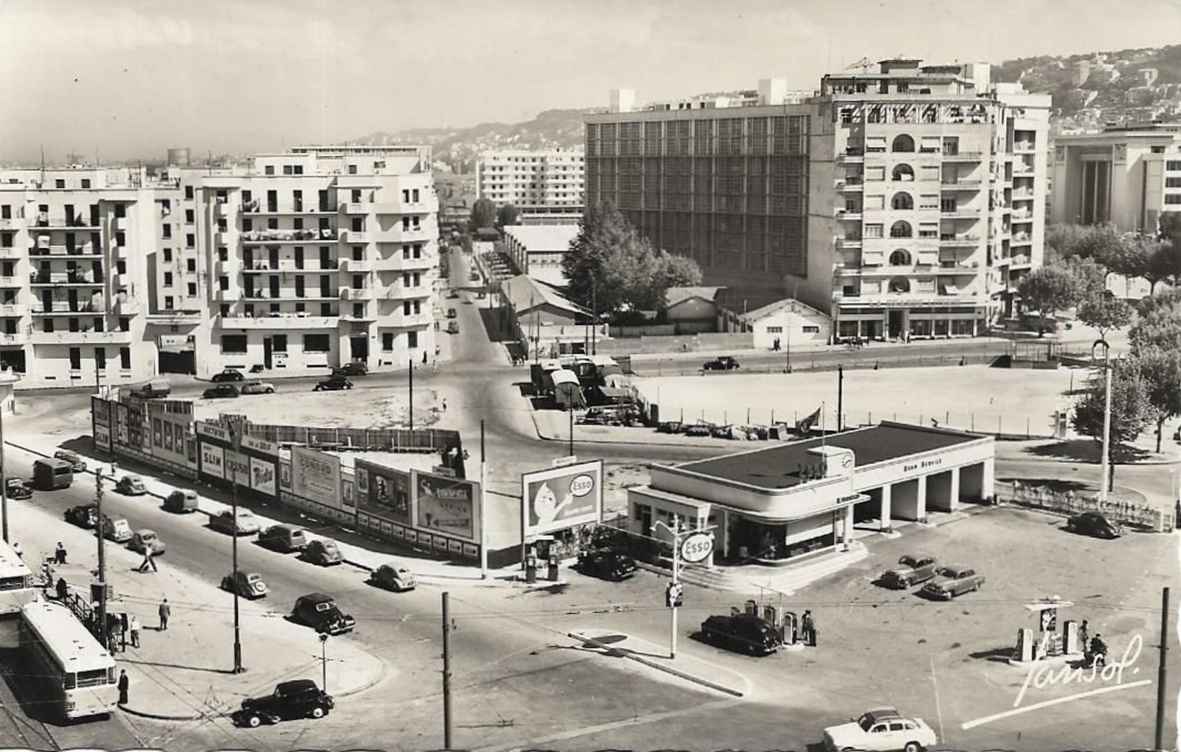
(1125, 175)
(546, 185)
(901, 200)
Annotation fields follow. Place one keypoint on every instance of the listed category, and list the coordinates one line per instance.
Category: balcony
(281, 266)
(849, 214)
(63, 279)
(428, 205)
(963, 212)
(10, 282)
(120, 224)
(355, 265)
(356, 293)
(228, 296)
(221, 209)
(278, 321)
(850, 185)
(10, 224)
(14, 339)
(963, 156)
(276, 237)
(1022, 216)
(354, 236)
(352, 207)
(848, 243)
(81, 338)
(175, 318)
(1019, 262)
(253, 208)
(1024, 147)
(44, 223)
(959, 241)
(13, 309)
(851, 156)
(1022, 238)
(125, 306)
(960, 185)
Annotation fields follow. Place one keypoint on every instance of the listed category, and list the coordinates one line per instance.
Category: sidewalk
(185, 672)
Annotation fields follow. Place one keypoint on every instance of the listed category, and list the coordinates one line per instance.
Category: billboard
(447, 506)
(316, 476)
(213, 460)
(237, 468)
(561, 497)
(384, 490)
(262, 476)
(170, 422)
(100, 419)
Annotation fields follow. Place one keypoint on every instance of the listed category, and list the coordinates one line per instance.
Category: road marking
(1049, 703)
(938, 706)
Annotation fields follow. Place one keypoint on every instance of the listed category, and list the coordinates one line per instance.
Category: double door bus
(75, 675)
(17, 586)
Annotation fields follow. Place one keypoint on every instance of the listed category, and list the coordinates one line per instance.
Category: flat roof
(540, 238)
(777, 467)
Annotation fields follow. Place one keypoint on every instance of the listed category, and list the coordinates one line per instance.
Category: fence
(808, 362)
(367, 439)
(1115, 509)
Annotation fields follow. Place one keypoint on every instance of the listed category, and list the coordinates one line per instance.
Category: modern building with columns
(774, 505)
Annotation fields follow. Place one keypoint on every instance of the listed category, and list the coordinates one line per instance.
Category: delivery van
(154, 389)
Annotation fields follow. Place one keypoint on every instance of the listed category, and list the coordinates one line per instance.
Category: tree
(483, 214)
(1160, 372)
(1048, 290)
(1165, 262)
(507, 215)
(1159, 324)
(1090, 277)
(1130, 409)
(1105, 312)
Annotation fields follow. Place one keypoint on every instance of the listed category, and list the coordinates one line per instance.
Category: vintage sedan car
(607, 564)
(354, 368)
(669, 426)
(452, 327)
(220, 391)
(320, 612)
(333, 383)
(322, 552)
(227, 375)
(77, 464)
(699, 429)
(117, 529)
(1095, 525)
(245, 584)
(224, 522)
(880, 730)
(912, 569)
(952, 580)
(300, 698)
(452, 313)
(143, 539)
(18, 488)
(257, 387)
(741, 633)
(83, 515)
(393, 577)
(720, 363)
(131, 485)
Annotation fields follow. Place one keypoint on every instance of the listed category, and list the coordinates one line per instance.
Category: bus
(50, 474)
(75, 674)
(17, 586)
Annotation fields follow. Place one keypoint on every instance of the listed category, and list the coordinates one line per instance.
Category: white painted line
(938, 706)
(1048, 703)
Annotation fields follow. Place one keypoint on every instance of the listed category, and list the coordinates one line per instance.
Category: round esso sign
(582, 485)
(697, 547)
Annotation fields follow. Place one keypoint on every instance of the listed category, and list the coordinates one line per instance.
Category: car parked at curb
(1095, 525)
(246, 584)
(742, 633)
(83, 515)
(320, 612)
(144, 539)
(354, 368)
(18, 488)
(131, 485)
(283, 538)
(880, 730)
(247, 523)
(220, 391)
(299, 698)
(257, 387)
(226, 376)
(333, 383)
(77, 464)
(393, 577)
(607, 564)
(952, 580)
(118, 530)
(912, 569)
(322, 552)
(181, 501)
(698, 430)
(721, 363)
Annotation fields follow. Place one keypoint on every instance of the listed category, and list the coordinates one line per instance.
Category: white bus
(17, 586)
(75, 672)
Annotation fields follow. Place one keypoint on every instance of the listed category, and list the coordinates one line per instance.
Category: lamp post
(236, 441)
(1105, 457)
(675, 584)
(324, 661)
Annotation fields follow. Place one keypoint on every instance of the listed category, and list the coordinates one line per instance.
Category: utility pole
(1105, 461)
(446, 671)
(102, 560)
(571, 428)
(324, 662)
(840, 393)
(236, 440)
(3, 479)
(1162, 671)
(410, 412)
(676, 584)
(483, 506)
(594, 317)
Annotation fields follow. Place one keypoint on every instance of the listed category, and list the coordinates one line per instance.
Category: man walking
(134, 628)
(59, 554)
(165, 612)
(1083, 637)
(63, 589)
(149, 561)
(808, 629)
(124, 684)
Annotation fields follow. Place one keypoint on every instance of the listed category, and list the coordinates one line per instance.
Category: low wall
(1121, 512)
(369, 439)
(677, 343)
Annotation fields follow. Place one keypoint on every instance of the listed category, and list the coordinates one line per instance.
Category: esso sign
(697, 547)
(582, 485)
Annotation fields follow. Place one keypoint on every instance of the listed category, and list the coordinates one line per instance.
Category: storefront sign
(696, 547)
(237, 468)
(316, 476)
(446, 505)
(262, 446)
(262, 476)
(560, 498)
(213, 432)
(924, 465)
(212, 460)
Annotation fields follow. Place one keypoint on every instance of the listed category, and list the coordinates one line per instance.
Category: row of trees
(486, 214)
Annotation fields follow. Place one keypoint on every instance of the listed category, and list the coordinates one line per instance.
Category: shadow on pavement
(159, 664)
(1086, 450)
(998, 655)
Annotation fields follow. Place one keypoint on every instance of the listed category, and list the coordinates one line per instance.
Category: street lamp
(673, 586)
(1105, 458)
(324, 662)
(236, 441)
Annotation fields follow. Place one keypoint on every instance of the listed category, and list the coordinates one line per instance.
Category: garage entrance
(940, 492)
(867, 515)
(972, 484)
(904, 500)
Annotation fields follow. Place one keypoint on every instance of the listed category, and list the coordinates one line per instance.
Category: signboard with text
(262, 476)
(562, 497)
(385, 489)
(447, 505)
(100, 421)
(316, 476)
(212, 460)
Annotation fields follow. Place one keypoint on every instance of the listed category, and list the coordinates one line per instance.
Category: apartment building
(73, 276)
(546, 185)
(1125, 175)
(901, 200)
(303, 261)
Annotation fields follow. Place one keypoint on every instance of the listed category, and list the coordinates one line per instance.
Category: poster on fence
(262, 476)
(316, 475)
(212, 460)
(447, 505)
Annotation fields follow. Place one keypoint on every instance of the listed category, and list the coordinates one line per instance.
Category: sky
(126, 79)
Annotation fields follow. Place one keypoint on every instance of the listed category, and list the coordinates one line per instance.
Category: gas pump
(553, 565)
(790, 627)
(531, 567)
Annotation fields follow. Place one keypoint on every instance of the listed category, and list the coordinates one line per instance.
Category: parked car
(720, 363)
(669, 426)
(880, 730)
(18, 488)
(131, 485)
(220, 391)
(257, 387)
(393, 577)
(153, 389)
(118, 530)
(322, 552)
(453, 327)
(452, 313)
(300, 698)
(77, 464)
(246, 584)
(355, 368)
(224, 522)
(143, 539)
(226, 376)
(912, 569)
(607, 564)
(1094, 524)
(333, 383)
(320, 612)
(742, 633)
(283, 538)
(722, 432)
(596, 417)
(83, 515)
(952, 580)
(699, 429)
(181, 501)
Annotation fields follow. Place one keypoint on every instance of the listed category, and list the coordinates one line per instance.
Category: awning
(780, 519)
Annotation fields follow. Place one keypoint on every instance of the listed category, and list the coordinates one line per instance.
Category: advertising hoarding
(213, 460)
(262, 476)
(447, 506)
(561, 497)
(170, 422)
(237, 468)
(261, 446)
(316, 476)
(100, 421)
(383, 489)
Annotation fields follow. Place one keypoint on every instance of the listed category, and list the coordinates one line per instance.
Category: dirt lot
(360, 407)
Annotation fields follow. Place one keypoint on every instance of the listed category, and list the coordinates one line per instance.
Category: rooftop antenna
(43, 163)
(209, 161)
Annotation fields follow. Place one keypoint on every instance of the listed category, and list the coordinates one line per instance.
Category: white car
(879, 730)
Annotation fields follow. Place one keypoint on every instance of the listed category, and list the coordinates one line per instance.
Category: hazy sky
(130, 78)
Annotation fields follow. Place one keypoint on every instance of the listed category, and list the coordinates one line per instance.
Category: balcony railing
(962, 156)
(960, 185)
(354, 207)
(13, 339)
(279, 321)
(355, 265)
(260, 237)
(85, 337)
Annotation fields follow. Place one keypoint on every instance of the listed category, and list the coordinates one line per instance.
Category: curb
(660, 667)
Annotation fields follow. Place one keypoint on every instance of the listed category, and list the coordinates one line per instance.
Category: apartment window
(167, 230)
(272, 224)
(10, 326)
(121, 239)
(168, 279)
(189, 216)
(168, 306)
(191, 265)
(871, 203)
(300, 307)
(59, 183)
(96, 244)
(190, 240)
(225, 310)
(223, 282)
(233, 343)
(352, 169)
(6, 242)
(125, 357)
(287, 170)
(188, 193)
(1173, 198)
(298, 169)
(1173, 182)
(269, 170)
(326, 310)
(120, 267)
(405, 251)
(297, 223)
(406, 195)
(405, 307)
(6, 211)
(405, 279)
(75, 357)
(47, 325)
(405, 223)
(412, 340)
(247, 225)
(85, 182)
(414, 196)
(100, 358)
(221, 225)
(358, 281)
(298, 257)
(417, 306)
(387, 341)
(168, 256)
(223, 253)
(124, 324)
(929, 201)
(98, 325)
(316, 343)
(358, 310)
(418, 250)
(358, 224)
(875, 173)
(873, 231)
(192, 289)
(300, 290)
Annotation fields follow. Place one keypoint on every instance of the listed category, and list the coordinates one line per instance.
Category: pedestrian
(149, 561)
(59, 554)
(165, 612)
(1083, 635)
(444, 404)
(63, 589)
(124, 630)
(118, 642)
(124, 685)
(134, 629)
(806, 628)
(16, 547)
(424, 357)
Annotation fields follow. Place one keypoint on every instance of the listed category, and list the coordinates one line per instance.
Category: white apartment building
(546, 185)
(74, 277)
(1125, 175)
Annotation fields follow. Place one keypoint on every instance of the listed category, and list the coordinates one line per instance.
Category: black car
(606, 564)
(319, 611)
(333, 383)
(742, 633)
(227, 375)
(355, 368)
(669, 426)
(220, 391)
(18, 488)
(300, 698)
(1094, 524)
(721, 363)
